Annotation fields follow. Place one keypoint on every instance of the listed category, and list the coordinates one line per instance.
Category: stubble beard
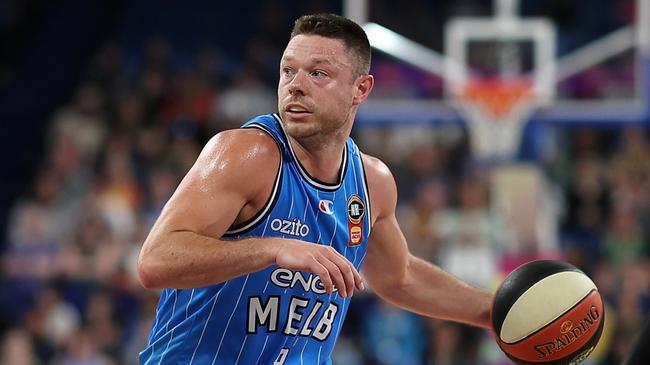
(315, 134)
(303, 129)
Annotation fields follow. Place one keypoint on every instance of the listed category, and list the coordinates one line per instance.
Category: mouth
(296, 110)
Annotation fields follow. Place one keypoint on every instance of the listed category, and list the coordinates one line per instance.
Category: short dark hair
(338, 27)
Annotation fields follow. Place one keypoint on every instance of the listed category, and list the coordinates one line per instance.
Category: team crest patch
(356, 211)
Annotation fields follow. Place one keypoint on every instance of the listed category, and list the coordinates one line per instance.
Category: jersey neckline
(318, 184)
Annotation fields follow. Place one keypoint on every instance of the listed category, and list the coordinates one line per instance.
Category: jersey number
(282, 357)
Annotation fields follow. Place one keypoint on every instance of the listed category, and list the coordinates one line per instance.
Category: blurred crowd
(69, 292)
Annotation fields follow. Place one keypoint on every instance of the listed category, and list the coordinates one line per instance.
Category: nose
(297, 84)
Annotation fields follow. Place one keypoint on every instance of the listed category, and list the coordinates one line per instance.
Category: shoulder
(239, 154)
(375, 168)
(381, 185)
(248, 146)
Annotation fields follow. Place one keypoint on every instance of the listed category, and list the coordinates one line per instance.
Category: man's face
(317, 86)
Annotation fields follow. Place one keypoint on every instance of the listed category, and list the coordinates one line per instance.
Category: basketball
(547, 312)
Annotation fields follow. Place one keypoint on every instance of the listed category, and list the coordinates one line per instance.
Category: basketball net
(496, 110)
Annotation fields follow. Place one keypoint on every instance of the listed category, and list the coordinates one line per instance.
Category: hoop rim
(498, 99)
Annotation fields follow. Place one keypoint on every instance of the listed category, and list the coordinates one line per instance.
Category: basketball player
(260, 247)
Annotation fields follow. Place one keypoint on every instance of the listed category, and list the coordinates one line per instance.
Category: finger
(347, 270)
(335, 274)
(358, 280)
(324, 275)
(350, 273)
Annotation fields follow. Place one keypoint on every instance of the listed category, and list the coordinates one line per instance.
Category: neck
(321, 153)
(321, 159)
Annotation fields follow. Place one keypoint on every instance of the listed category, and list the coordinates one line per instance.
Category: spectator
(17, 349)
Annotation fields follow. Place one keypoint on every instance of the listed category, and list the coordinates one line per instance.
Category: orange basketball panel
(562, 337)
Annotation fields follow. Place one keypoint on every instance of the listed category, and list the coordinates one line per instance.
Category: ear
(363, 87)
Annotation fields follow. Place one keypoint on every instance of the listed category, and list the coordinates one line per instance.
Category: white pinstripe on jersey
(222, 312)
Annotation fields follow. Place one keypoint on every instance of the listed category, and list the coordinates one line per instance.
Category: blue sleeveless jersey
(273, 316)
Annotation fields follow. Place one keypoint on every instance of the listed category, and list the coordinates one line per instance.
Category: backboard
(504, 44)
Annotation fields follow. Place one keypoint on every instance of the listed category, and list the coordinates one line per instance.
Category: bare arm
(405, 280)
(230, 181)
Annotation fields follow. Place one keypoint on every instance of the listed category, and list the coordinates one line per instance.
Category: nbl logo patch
(356, 211)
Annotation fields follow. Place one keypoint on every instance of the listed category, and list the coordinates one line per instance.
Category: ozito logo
(294, 227)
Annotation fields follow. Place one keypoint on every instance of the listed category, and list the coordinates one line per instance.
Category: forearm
(185, 259)
(430, 291)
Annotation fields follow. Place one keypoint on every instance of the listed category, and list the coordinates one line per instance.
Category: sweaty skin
(318, 97)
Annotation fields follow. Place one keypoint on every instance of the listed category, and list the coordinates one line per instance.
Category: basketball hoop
(497, 97)
(498, 86)
(496, 110)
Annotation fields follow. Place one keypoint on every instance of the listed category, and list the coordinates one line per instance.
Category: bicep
(205, 205)
(212, 194)
(386, 261)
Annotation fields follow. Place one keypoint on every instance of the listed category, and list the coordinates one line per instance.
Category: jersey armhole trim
(273, 198)
(367, 192)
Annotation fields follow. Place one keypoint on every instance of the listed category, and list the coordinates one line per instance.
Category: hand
(333, 268)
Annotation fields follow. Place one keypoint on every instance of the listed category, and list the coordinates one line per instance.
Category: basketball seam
(549, 322)
(593, 340)
(499, 316)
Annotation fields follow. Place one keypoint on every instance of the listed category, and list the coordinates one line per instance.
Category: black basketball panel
(520, 280)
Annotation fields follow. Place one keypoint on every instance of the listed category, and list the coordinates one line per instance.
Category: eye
(287, 71)
(318, 73)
